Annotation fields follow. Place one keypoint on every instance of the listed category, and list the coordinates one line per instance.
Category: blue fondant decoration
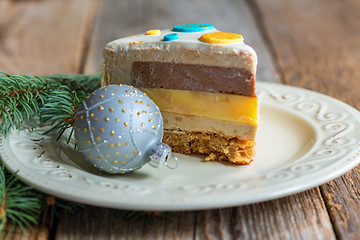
(196, 27)
(171, 37)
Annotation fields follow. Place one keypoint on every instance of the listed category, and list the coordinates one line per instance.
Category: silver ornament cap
(161, 155)
(118, 129)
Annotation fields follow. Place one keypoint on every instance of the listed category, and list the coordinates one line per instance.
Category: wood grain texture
(343, 203)
(301, 216)
(286, 218)
(125, 18)
(317, 45)
(43, 37)
(101, 223)
(38, 233)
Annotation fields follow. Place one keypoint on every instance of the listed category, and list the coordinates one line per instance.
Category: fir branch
(55, 98)
(21, 98)
(23, 206)
(62, 103)
(60, 109)
(148, 216)
(86, 83)
(19, 203)
(56, 207)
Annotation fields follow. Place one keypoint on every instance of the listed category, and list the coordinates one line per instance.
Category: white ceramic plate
(305, 139)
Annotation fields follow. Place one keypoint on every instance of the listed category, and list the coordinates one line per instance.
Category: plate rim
(351, 160)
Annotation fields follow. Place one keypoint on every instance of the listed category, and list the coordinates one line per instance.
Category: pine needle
(54, 99)
(21, 98)
(62, 103)
(19, 203)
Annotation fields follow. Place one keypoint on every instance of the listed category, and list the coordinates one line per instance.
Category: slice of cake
(202, 80)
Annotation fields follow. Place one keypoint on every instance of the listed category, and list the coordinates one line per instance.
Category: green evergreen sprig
(23, 206)
(21, 98)
(54, 99)
(60, 107)
(86, 83)
(18, 202)
(52, 207)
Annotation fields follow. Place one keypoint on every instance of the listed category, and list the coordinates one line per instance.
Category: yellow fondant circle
(153, 32)
(221, 38)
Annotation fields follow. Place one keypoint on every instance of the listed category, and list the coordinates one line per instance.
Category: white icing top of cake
(188, 40)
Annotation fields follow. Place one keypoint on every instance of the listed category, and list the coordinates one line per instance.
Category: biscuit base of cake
(217, 147)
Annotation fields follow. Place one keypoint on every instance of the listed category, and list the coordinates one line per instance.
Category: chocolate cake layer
(193, 77)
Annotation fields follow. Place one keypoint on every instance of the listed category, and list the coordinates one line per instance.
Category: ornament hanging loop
(161, 155)
(176, 161)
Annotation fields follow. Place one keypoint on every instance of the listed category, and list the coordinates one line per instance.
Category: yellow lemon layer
(228, 107)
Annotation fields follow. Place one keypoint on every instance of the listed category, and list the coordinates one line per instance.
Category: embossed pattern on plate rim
(337, 150)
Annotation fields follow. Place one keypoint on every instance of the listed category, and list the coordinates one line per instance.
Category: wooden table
(305, 43)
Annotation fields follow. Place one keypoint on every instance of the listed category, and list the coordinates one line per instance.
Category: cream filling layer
(118, 61)
(187, 123)
(226, 107)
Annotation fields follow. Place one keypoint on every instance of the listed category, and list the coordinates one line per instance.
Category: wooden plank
(295, 214)
(43, 37)
(216, 224)
(38, 233)
(102, 223)
(91, 223)
(286, 218)
(317, 44)
(342, 199)
(296, 217)
(125, 18)
(302, 216)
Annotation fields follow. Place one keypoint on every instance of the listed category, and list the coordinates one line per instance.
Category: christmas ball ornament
(119, 129)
